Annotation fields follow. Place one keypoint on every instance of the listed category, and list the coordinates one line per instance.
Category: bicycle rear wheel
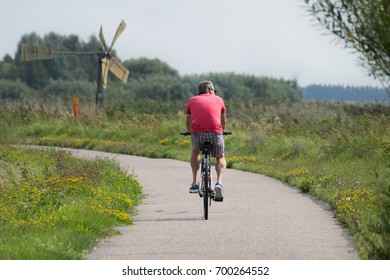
(206, 194)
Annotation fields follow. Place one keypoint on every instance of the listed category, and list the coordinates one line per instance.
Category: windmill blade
(101, 36)
(105, 68)
(36, 52)
(120, 29)
(118, 69)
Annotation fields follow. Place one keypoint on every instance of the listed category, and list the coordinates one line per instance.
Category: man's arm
(223, 120)
(188, 122)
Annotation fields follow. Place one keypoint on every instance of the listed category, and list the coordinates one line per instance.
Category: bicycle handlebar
(189, 133)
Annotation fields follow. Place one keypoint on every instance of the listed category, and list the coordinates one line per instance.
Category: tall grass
(55, 206)
(338, 153)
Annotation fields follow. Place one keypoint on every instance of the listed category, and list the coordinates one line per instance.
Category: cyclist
(206, 119)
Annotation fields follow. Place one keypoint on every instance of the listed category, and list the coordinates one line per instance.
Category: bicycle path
(260, 218)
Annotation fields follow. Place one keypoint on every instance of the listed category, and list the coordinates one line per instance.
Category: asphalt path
(260, 218)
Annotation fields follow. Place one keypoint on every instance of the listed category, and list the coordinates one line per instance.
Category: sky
(272, 38)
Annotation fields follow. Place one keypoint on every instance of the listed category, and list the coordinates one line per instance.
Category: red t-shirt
(205, 110)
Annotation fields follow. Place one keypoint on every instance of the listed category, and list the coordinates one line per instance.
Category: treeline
(38, 74)
(345, 94)
(71, 75)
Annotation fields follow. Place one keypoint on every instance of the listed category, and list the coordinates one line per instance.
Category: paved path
(260, 218)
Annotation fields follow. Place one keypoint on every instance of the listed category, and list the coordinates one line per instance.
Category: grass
(55, 206)
(338, 153)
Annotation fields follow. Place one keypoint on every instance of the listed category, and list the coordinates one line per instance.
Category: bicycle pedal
(218, 199)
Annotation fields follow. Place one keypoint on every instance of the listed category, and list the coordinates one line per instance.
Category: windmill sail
(35, 52)
(105, 67)
(120, 29)
(115, 67)
(118, 69)
(101, 36)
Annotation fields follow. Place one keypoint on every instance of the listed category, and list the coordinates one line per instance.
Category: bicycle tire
(206, 192)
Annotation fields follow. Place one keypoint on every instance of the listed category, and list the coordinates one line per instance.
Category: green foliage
(159, 87)
(8, 69)
(143, 67)
(149, 78)
(362, 25)
(10, 89)
(37, 74)
(69, 89)
(55, 206)
(237, 86)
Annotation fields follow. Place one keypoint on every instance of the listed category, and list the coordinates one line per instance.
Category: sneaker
(194, 188)
(212, 192)
(218, 192)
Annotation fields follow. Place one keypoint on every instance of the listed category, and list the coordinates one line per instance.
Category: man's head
(205, 87)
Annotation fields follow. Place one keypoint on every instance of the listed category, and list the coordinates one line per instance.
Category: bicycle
(206, 179)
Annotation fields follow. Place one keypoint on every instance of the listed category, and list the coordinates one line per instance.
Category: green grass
(338, 153)
(56, 206)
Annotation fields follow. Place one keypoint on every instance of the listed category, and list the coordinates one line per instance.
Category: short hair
(204, 86)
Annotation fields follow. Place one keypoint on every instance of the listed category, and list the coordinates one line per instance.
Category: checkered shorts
(214, 138)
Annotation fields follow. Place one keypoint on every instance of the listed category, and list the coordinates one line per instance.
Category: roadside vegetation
(56, 206)
(338, 153)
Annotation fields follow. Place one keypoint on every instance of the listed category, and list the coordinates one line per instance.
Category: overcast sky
(274, 38)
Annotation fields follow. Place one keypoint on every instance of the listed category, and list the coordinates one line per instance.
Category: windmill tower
(106, 62)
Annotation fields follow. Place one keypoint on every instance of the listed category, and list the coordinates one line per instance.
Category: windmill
(107, 63)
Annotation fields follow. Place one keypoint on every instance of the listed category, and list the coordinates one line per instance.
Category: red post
(75, 107)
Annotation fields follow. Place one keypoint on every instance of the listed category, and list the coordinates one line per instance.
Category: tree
(8, 69)
(364, 26)
(38, 73)
(143, 67)
(35, 74)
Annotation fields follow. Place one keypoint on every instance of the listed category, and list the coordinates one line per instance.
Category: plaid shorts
(214, 138)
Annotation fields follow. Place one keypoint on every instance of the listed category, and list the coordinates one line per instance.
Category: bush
(69, 89)
(14, 90)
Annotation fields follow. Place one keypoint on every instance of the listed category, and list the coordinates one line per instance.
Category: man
(206, 119)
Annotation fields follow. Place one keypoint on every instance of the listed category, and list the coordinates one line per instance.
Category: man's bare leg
(220, 167)
(195, 166)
